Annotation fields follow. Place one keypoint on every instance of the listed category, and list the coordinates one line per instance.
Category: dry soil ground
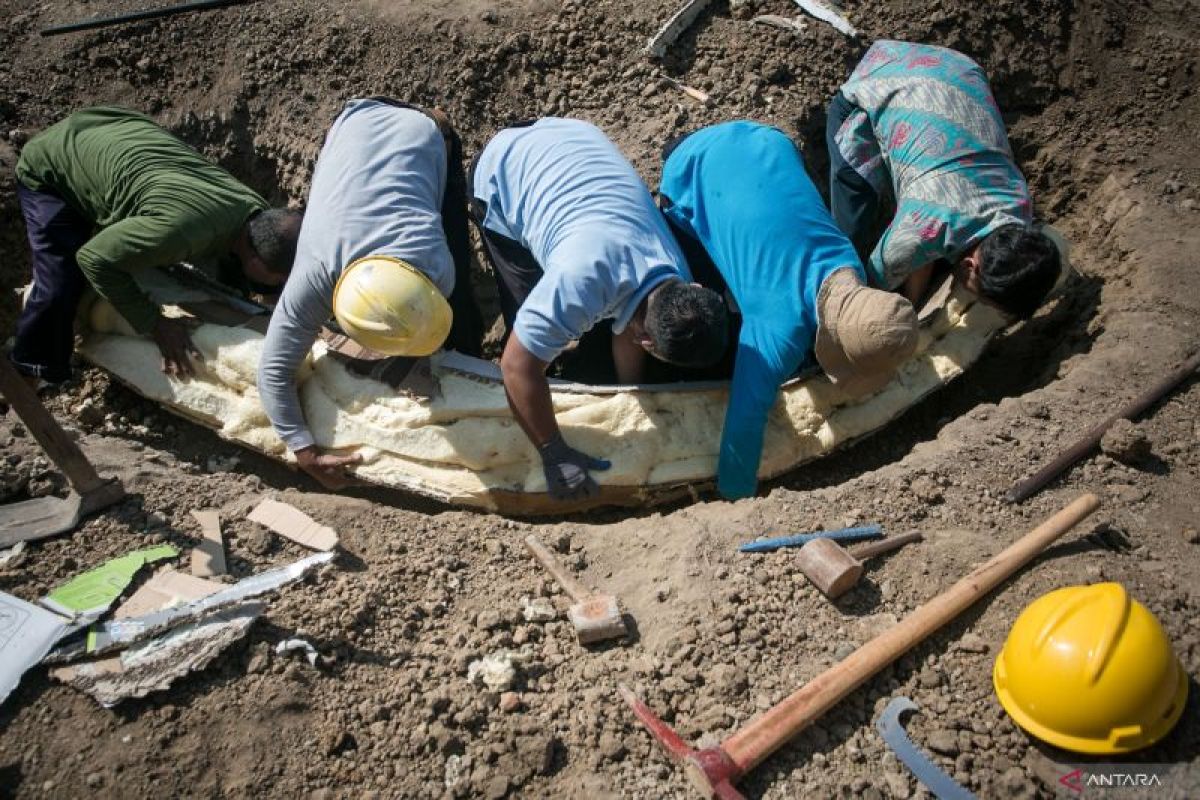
(1102, 106)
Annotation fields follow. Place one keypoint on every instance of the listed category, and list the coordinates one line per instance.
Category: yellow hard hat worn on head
(390, 306)
(1090, 669)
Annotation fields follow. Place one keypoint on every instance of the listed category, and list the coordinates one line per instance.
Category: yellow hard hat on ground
(391, 307)
(1090, 669)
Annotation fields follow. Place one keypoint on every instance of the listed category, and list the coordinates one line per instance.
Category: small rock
(259, 662)
(489, 619)
(1191, 535)
(1014, 781)
(258, 542)
(340, 742)
(538, 609)
(972, 643)
(561, 541)
(87, 414)
(729, 681)
(496, 672)
(944, 742)
(510, 702)
(222, 463)
(612, 748)
(929, 678)
(925, 490)
(1125, 442)
(95, 780)
(496, 788)
(897, 785)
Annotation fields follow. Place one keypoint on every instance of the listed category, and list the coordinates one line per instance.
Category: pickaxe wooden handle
(62, 450)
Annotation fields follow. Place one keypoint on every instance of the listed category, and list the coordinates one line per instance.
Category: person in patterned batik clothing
(915, 131)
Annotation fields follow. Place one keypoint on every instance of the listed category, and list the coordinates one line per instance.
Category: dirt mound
(1100, 99)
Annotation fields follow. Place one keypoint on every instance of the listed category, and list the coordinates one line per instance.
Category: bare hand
(327, 468)
(175, 343)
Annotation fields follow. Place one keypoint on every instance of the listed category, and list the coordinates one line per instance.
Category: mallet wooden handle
(864, 551)
(566, 580)
(62, 450)
(763, 736)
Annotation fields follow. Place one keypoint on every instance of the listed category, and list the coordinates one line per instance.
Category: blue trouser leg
(854, 204)
(46, 328)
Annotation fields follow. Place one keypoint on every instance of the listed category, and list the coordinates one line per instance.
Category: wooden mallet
(596, 617)
(834, 570)
(714, 770)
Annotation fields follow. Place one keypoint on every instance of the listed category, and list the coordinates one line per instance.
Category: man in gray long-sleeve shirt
(388, 183)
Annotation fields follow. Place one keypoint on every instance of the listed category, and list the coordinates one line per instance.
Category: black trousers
(855, 205)
(46, 328)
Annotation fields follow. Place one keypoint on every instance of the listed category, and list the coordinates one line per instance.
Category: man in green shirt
(106, 191)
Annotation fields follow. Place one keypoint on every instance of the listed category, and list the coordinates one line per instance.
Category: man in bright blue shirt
(575, 239)
(741, 191)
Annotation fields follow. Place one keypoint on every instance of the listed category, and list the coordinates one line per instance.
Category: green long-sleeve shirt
(153, 199)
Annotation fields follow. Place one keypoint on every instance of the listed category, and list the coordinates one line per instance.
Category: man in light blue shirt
(575, 239)
(384, 185)
(740, 190)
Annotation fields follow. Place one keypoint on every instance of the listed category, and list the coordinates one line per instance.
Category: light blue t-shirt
(562, 189)
(377, 189)
(741, 190)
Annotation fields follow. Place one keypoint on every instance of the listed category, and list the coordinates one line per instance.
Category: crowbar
(137, 16)
(801, 539)
(1092, 438)
(892, 730)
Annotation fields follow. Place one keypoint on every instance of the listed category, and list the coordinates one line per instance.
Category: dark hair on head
(273, 234)
(688, 324)
(1018, 266)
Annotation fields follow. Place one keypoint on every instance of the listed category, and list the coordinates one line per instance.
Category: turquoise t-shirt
(740, 188)
(927, 131)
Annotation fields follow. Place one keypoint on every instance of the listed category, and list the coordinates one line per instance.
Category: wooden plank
(208, 559)
(292, 523)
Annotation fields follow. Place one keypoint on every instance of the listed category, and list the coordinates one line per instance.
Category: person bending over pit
(575, 239)
(738, 197)
(916, 128)
(106, 191)
(384, 242)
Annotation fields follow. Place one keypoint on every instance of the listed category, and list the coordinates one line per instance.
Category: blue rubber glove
(566, 470)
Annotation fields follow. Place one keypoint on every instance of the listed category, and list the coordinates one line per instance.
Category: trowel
(46, 516)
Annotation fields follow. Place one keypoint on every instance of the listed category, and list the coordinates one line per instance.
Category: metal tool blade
(892, 730)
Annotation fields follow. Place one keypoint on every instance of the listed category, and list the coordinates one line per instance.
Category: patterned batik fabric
(928, 133)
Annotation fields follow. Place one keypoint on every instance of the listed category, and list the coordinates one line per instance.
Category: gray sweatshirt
(377, 190)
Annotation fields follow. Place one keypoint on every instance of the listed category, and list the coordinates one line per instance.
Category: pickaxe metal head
(710, 770)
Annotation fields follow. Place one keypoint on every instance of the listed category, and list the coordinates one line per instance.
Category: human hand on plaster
(528, 394)
(566, 470)
(175, 343)
(328, 469)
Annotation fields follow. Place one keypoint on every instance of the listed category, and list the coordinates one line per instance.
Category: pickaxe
(714, 770)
